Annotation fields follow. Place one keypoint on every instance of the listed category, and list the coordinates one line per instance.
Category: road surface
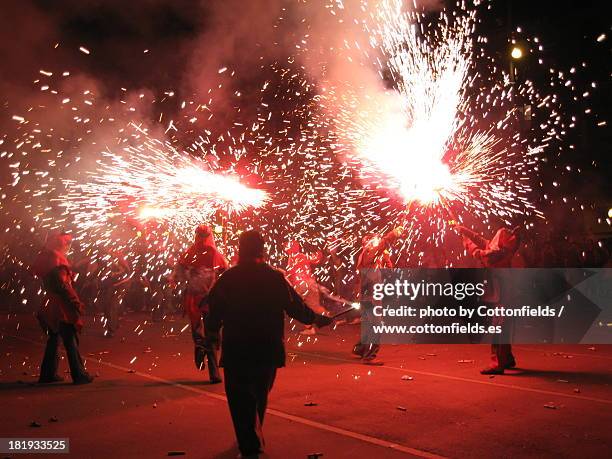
(427, 401)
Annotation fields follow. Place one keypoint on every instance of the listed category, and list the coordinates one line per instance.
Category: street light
(610, 212)
(516, 52)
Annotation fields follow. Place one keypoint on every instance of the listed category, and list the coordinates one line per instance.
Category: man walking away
(249, 302)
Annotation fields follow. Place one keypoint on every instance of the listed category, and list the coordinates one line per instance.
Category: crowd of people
(239, 307)
(248, 302)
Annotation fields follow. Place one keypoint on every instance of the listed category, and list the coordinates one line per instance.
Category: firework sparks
(147, 183)
(156, 181)
(435, 132)
(440, 140)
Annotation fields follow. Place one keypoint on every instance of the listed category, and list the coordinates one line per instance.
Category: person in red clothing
(374, 257)
(199, 267)
(300, 277)
(61, 310)
(299, 274)
(494, 253)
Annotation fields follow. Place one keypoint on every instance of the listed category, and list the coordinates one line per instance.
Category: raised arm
(471, 239)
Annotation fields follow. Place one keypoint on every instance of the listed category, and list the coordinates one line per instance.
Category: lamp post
(516, 54)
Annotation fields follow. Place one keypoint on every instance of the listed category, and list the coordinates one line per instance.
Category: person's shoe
(85, 379)
(250, 456)
(510, 364)
(54, 379)
(357, 351)
(374, 362)
(308, 331)
(492, 371)
(216, 381)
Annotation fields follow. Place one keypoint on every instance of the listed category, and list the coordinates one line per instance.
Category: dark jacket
(250, 301)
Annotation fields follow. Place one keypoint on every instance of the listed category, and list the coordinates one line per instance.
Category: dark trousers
(368, 346)
(501, 356)
(247, 390)
(205, 347)
(501, 349)
(50, 363)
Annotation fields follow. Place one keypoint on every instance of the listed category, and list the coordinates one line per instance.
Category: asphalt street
(148, 399)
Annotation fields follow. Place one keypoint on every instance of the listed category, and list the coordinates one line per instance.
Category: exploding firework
(145, 200)
(153, 180)
(424, 140)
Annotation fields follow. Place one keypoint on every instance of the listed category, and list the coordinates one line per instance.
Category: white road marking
(468, 380)
(280, 414)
